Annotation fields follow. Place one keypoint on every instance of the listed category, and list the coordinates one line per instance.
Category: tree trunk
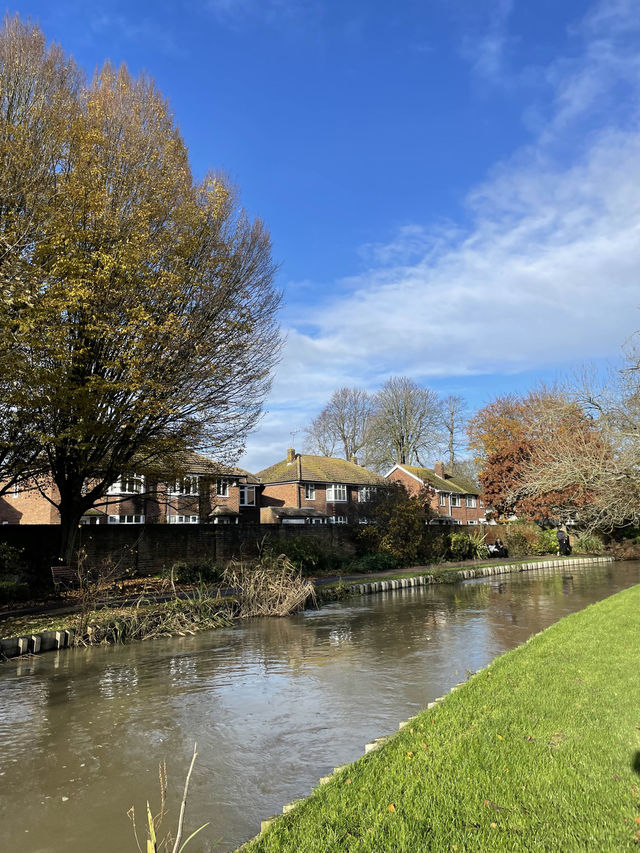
(70, 514)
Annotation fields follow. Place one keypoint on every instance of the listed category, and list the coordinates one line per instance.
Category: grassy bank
(541, 751)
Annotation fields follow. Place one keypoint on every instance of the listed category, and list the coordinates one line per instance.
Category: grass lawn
(541, 751)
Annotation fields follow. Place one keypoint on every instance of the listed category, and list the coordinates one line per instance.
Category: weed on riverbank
(539, 751)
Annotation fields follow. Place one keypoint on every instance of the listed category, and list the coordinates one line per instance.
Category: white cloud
(546, 275)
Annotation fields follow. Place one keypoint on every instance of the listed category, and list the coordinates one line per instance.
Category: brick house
(455, 499)
(204, 492)
(303, 489)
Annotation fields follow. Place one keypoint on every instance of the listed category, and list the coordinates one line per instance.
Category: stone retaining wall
(52, 640)
(481, 572)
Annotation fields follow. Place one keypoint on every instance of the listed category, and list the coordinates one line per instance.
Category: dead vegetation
(271, 587)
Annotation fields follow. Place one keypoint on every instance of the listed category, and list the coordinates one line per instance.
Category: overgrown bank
(539, 751)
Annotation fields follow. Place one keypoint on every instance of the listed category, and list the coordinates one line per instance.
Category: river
(274, 704)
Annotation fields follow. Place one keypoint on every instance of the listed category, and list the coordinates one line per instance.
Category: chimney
(291, 455)
(438, 469)
(353, 459)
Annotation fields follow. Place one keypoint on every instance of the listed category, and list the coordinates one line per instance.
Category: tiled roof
(318, 469)
(458, 486)
(196, 463)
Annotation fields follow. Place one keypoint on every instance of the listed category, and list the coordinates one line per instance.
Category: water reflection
(274, 705)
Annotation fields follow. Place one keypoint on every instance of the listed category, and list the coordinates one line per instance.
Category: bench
(64, 577)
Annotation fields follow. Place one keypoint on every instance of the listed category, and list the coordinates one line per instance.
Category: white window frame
(222, 487)
(334, 489)
(126, 519)
(443, 499)
(309, 491)
(127, 484)
(338, 519)
(454, 500)
(364, 494)
(471, 502)
(244, 492)
(187, 486)
(184, 519)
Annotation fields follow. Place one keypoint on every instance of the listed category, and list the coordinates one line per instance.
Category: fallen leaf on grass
(493, 805)
(391, 807)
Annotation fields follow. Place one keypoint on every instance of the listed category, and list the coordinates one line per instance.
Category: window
(189, 485)
(184, 519)
(472, 522)
(455, 500)
(364, 494)
(338, 519)
(471, 502)
(310, 492)
(247, 495)
(126, 519)
(222, 488)
(443, 499)
(128, 484)
(336, 492)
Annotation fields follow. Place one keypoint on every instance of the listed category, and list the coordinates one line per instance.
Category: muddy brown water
(274, 704)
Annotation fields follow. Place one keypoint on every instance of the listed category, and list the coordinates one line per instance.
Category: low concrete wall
(53, 640)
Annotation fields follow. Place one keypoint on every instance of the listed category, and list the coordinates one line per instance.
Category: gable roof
(318, 469)
(460, 485)
(195, 463)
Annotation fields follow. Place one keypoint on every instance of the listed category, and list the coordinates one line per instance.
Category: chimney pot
(354, 459)
(438, 469)
(291, 455)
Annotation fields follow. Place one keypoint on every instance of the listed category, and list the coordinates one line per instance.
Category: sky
(451, 186)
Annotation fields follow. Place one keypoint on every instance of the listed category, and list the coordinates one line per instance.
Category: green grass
(541, 751)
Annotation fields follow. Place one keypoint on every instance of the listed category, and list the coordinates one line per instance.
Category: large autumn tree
(513, 435)
(138, 304)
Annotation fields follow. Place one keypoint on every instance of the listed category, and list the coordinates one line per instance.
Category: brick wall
(146, 549)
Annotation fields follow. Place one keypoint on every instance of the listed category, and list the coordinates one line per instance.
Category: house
(304, 489)
(455, 499)
(203, 492)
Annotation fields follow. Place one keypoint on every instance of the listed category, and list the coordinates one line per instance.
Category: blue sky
(451, 185)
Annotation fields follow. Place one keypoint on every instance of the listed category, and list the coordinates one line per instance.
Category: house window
(472, 522)
(184, 519)
(310, 492)
(471, 502)
(338, 519)
(222, 488)
(128, 484)
(189, 485)
(247, 495)
(455, 500)
(443, 499)
(364, 494)
(126, 519)
(336, 492)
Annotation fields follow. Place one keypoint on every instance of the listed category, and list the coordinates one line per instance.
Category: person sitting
(498, 549)
(564, 545)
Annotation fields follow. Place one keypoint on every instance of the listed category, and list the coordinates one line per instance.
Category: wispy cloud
(131, 29)
(547, 273)
(274, 13)
(486, 45)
